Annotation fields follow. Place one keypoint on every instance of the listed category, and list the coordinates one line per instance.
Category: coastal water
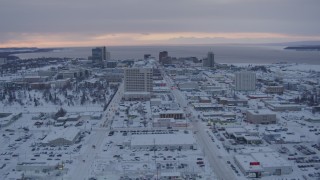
(223, 53)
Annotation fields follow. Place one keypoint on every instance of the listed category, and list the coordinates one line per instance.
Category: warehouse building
(259, 164)
(163, 141)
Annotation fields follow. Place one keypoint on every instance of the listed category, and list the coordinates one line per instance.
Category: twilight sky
(66, 23)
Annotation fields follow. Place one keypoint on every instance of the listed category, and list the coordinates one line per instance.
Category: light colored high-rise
(138, 79)
(245, 81)
(209, 61)
(138, 83)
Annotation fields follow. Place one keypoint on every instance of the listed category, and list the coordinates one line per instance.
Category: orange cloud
(118, 39)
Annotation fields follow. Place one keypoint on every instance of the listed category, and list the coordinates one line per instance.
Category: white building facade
(245, 81)
(138, 83)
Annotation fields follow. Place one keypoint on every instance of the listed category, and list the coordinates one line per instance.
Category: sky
(72, 23)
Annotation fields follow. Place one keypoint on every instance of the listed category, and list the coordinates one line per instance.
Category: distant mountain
(18, 49)
(6, 52)
(304, 48)
(297, 43)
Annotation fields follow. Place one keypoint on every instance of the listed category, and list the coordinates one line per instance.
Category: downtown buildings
(99, 55)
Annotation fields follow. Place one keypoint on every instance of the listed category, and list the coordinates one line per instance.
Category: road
(109, 112)
(90, 154)
(218, 165)
(86, 159)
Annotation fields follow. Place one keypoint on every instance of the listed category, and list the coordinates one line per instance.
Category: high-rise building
(209, 61)
(162, 54)
(146, 56)
(100, 54)
(138, 83)
(3, 61)
(245, 81)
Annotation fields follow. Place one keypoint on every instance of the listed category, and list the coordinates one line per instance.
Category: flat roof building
(259, 164)
(66, 136)
(261, 116)
(170, 141)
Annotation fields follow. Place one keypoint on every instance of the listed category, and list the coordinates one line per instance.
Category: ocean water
(223, 53)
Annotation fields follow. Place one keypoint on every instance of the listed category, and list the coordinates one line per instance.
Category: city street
(219, 166)
(86, 159)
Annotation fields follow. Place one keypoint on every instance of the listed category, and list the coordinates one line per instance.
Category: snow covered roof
(164, 120)
(171, 112)
(271, 159)
(67, 133)
(162, 139)
(261, 112)
(244, 161)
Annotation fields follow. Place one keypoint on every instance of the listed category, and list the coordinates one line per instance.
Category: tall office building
(100, 54)
(3, 61)
(209, 61)
(138, 83)
(245, 81)
(146, 56)
(162, 54)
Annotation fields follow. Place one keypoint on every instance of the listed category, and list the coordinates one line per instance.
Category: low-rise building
(259, 164)
(261, 116)
(176, 114)
(232, 102)
(66, 136)
(164, 122)
(33, 79)
(243, 136)
(207, 107)
(163, 141)
(60, 83)
(282, 106)
(187, 86)
(274, 89)
(40, 85)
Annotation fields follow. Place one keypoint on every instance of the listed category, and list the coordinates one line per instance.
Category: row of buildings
(165, 59)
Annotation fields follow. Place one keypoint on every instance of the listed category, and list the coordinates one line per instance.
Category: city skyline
(144, 22)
